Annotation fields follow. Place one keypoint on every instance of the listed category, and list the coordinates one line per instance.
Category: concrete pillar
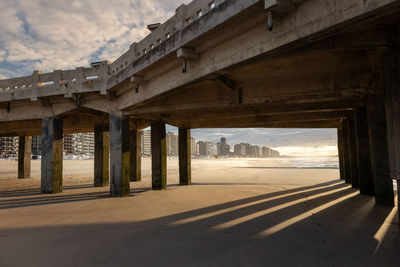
(364, 153)
(341, 152)
(380, 153)
(136, 156)
(119, 156)
(24, 157)
(158, 155)
(346, 146)
(101, 157)
(52, 155)
(391, 75)
(355, 179)
(185, 175)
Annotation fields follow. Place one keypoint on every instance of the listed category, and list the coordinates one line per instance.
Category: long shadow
(312, 168)
(65, 198)
(331, 237)
(267, 203)
(37, 191)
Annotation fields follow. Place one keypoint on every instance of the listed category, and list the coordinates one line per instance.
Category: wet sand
(236, 213)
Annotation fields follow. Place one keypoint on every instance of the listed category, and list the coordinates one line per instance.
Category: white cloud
(2, 55)
(48, 35)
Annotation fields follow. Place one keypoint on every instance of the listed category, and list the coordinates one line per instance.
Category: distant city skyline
(315, 140)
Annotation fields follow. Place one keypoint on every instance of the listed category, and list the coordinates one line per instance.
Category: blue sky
(47, 35)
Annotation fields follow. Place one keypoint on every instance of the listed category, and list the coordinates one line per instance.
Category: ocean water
(310, 162)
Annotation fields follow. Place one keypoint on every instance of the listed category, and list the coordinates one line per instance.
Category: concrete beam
(380, 153)
(185, 155)
(52, 155)
(101, 157)
(364, 153)
(135, 156)
(158, 155)
(24, 157)
(119, 156)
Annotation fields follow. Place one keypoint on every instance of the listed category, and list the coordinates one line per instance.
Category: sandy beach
(238, 212)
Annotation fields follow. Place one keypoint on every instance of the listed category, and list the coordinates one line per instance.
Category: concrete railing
(95, 78)
(58, 82)
(184, 15)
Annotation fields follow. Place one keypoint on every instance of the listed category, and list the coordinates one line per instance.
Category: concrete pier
(355, 179)
(383, 182)
(185, 171)
(158, 155)
(101, 157)
(364, 153)
(346, 146)
(24, 157)
(52, 155)
(341, 152)
(119, 156)
(135, 156)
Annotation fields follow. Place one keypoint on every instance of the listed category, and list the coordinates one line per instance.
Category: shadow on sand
(320, 225)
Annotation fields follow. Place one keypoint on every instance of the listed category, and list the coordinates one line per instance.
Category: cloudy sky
(52, 34)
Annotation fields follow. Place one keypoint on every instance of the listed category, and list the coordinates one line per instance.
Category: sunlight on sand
(275, 208)
(218, 212)
(287, 223)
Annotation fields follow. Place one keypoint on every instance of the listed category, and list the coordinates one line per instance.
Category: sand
(236, 213)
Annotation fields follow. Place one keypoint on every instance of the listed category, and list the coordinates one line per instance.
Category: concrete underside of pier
(233, 214)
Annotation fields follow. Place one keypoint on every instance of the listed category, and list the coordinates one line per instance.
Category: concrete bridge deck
(237, 63)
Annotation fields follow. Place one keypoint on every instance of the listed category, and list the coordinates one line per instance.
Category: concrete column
(364, 153)
(383, 182)
(119, 156)
(101, 157)
(341, 152)
(24, 157)
(185, 175)
(158, 155)
(136, 156)
(52, 155)
(391, 74)
(346, 146)
(355, 179)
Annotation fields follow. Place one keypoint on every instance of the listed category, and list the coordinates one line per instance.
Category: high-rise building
(265, 152)
(241, 149)
(83, 143)
(172, 144)
(207, 148)
(203, 149)
(146, 142)
(36, 146)
(274, 153)
(223, 149)
(68, 141)
(193, 147)
(8, 147)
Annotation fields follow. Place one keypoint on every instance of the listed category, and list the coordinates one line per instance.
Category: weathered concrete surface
(135, 156)
(346, 144)
(52, 155)
(139, 227)
(101, 157)
(185, 157)
(380, 153)
(119, 156)
(341, 152)
(355, 178)
(158, 155)
(24, 157)
(364, 153)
